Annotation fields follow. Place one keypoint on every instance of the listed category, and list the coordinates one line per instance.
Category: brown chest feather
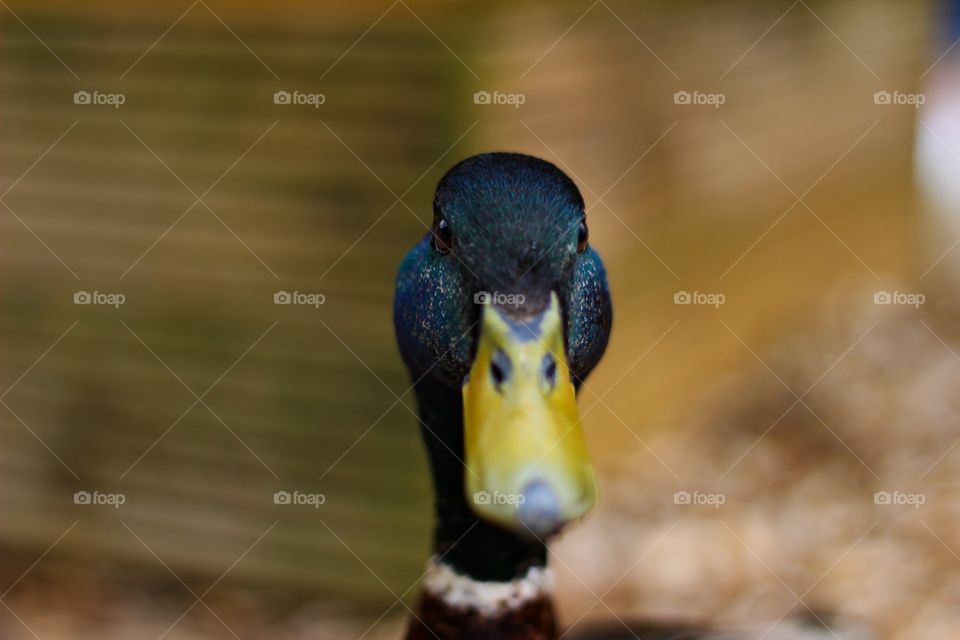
(534, 620)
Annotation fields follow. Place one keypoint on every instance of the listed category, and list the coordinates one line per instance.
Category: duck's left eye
(583, 235)
(442, 237)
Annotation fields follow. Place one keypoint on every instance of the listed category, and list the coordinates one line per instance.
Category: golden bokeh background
(199, 198)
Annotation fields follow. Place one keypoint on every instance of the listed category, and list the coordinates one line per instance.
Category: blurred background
(773, 187)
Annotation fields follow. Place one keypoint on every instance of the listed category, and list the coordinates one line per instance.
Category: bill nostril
(539, 510)
(500, 369)
(548, 371)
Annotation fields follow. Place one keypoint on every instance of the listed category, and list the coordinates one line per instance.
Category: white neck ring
(488, 598)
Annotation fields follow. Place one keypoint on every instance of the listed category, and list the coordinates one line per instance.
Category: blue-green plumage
(515, 223)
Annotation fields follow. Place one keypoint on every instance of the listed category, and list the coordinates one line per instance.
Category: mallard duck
(501, 311)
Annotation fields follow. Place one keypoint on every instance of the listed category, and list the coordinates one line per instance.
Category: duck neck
(483, 581)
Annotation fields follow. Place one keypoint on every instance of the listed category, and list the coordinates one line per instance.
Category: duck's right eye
(442, 237)
(583, 236)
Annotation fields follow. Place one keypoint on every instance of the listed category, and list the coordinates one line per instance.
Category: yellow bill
(527, 464)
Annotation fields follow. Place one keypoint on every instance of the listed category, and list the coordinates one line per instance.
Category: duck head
(501, 311)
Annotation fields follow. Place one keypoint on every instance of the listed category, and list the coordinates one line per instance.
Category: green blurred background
(327, 200)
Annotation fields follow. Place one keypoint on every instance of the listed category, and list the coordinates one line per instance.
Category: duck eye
(583, 235)
(442, 237)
